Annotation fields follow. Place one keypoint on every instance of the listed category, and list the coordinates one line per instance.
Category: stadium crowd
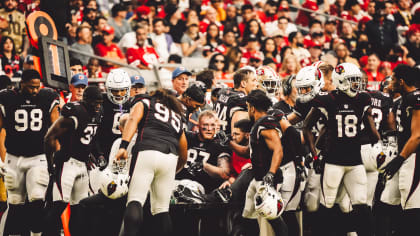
(240, 132)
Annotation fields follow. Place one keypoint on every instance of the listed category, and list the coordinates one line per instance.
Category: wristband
(124, 144)
(315, 158)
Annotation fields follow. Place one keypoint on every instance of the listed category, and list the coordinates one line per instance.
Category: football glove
(319, 164)
(268, 179)
(307, 160)
(380, 159)
(223, 138)
(393, 166)
(195, 168)
(101, 162)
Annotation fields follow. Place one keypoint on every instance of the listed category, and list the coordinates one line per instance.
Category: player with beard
(231, 104)
(26, 114)
(74, 130)
(116, 103)
(408, 127)
(208, 161)
(345, 110)
(160, 140)
(265, 151)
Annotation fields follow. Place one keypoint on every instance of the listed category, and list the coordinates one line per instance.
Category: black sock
(36, 214)
(410, 221)
(163, 223)
(326, 216)
(52, 223)
(279, 227)
(291, 221)
(16, 220)
(363, 218)
(133, 219)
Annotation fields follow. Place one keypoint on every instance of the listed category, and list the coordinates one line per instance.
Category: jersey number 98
(31, 120)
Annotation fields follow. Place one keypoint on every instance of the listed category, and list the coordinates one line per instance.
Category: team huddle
(319, 142)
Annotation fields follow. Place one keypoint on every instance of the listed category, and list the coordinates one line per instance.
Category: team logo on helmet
(339, 69)
(111, 188)
(260, 72)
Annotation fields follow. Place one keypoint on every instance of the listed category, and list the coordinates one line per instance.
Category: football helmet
(309, 81)
(188, 191)
(347, 77)
(269, 80)
(114, 181)
(116, 81)
(268, 202)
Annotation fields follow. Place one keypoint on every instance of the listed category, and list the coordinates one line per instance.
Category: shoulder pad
(277, 114)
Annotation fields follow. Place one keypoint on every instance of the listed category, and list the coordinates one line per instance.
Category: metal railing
(322, 14)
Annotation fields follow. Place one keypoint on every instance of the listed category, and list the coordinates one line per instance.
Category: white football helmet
(268, 202)
(347, 77)
(188, 191)
(114, 181)
(309, 79)
(118, 80)
(269, 80)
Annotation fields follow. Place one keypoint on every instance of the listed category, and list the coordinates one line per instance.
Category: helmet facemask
(116, 98)
(271, 86)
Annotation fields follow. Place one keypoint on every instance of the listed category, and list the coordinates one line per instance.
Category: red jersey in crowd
(145, 55)
(205, 23)
(112, 52)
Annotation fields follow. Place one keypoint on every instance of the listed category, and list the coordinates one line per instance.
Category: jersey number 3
(31, 120)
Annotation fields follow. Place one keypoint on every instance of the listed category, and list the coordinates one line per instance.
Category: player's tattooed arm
(59, 127)
(272, 139)
(182, 152)
(222, 169)
(310, 121)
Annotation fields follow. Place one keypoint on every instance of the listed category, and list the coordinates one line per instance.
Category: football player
(345, 110)
(231, 104)
(115, 104)
(26, 114)
(160, 141)
(266, 154)
(75, 130)
(408, 117)
(208, 161)
(269, 81)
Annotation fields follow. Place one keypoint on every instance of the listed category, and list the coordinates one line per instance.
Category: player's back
(160, 128)
(26, 120)
(381, 106)
(404, 115)
(260, 153)
(228, 102)
(76, 142)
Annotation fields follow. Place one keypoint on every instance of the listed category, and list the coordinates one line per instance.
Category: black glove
(308, 159)
(223, 138)
(101, 162)
(319, 164)
(91, 162)
(393, 166)
(196, 168)
(268, 179)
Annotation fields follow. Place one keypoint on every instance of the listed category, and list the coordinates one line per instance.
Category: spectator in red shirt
(142, 55)
(240, 135)
(106, 48)
(229, 41)
(10, 61)
(372, 68)
(247, 11)
(253, 27)
(251, 49)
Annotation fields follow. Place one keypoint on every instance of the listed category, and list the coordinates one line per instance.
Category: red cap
(365, 19)
(108, 29)
(313, 44)
(143, 10)
(283, 8)
(258, 55)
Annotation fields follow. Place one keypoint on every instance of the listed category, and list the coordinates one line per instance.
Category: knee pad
(37, 182)
(10, 180)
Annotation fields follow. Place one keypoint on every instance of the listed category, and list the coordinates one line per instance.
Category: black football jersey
(283, 106)
(289, 147)
(26, 120)
(344, 120)
(381, 106)
(77, 141)
(260, 153)
(229, 102)
(108, 130)
(403, 116)
(210, 152)
(159, 129)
